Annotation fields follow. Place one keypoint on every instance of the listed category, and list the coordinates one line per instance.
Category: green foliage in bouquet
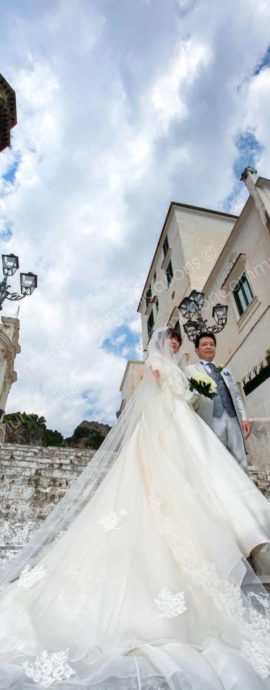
(203, 384)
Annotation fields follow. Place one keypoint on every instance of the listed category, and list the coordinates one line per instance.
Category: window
(169, 272)
(243, 294)
(165, 246)
(150, 324)
(155, 276)
(148, 296)
(157, 304)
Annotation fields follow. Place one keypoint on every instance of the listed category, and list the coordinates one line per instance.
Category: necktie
(212, 366)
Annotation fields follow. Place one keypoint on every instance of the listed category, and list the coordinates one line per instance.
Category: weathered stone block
(32, 481)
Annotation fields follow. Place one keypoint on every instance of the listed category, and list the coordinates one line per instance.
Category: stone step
(7, 472)
(22, 459)
(33, 479)
(261, 478)
(12, 451)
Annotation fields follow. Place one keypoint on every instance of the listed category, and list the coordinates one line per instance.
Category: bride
(139, 578)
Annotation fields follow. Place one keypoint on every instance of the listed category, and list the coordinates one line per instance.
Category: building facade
(132, 377)
(228, 259)
(8, 112)
(190, 242)
(240, 278)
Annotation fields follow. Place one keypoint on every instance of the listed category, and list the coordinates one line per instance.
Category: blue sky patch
(6, 234)
(10, 174)
(122, 343)
(265, 62)
(249, 149)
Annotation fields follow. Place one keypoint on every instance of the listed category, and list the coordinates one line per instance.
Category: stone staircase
(32, 481)
(261, 477)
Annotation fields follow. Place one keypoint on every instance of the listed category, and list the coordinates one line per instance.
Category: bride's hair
(160, 340)
(173, 333)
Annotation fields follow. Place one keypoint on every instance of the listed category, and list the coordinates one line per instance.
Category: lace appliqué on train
(112, 520)
(253, 626)
(30, 577)
(170, 604)
(255, 655)
(260, 601)
(49, 668)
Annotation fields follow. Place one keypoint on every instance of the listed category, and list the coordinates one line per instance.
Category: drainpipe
(247, 178)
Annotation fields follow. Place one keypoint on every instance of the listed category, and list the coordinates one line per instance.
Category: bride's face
(173, 344)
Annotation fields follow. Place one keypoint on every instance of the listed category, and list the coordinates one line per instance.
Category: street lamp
(10, 264)
(191, 307)
(190, 329)
(187, 307)
(219, 313)
(197, 297)
(28, 281)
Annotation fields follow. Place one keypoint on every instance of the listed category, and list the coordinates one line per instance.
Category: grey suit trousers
(229, 433)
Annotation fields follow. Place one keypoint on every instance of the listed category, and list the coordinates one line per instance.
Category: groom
(225, 413)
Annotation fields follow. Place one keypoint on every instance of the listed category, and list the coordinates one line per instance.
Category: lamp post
(28, 281)
(191, 307)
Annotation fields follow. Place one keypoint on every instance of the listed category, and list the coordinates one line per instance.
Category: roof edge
(202, 208)
(177, 204)
(262, 179)
(233, 230)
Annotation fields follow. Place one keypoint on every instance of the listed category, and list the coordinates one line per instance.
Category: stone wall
(32, 481)
(258, 444)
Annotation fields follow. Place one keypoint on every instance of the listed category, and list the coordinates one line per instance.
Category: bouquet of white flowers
(202, 383)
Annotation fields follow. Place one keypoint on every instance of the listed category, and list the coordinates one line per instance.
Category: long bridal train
(139, 581)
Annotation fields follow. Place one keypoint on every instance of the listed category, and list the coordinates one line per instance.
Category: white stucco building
(228, 258)
(240, 278)
(132, 376)
(190, 242)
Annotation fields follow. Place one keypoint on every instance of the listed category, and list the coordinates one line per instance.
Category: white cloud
(110, 129)
(257, 116)
(190, 57)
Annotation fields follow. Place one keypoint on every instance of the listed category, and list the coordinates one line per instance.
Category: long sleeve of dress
(171, 378)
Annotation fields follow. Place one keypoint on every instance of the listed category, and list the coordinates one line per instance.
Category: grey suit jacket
(204, 406)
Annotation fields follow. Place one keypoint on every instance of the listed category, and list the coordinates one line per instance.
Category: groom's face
(206, 349)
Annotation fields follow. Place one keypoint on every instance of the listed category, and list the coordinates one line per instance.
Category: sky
(123, 106)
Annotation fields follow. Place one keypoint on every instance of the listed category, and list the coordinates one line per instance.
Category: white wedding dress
(148, 587)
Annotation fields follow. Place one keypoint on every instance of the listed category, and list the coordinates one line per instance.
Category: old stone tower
(9, 348)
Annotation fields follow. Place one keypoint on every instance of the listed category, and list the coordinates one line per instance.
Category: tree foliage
(20, 421)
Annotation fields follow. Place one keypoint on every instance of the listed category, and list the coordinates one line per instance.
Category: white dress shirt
(206, 363)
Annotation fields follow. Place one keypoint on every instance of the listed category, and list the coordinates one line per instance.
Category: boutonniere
(220, 368)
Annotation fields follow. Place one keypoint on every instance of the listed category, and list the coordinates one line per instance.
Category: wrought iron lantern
(191, 307)
(187, 307)
(219, 313)
(28, 281)
(10, 264)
